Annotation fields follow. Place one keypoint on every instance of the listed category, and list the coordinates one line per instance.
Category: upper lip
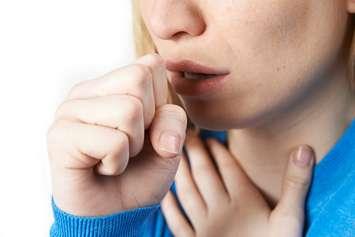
(193, 67)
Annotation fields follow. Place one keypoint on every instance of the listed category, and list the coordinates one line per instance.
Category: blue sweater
(330, 205)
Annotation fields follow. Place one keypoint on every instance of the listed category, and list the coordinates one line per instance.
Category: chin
(219, 120)
(223, 116)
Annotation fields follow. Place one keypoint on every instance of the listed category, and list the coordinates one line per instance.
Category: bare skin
(298, 90)
(221, 200)
(103, 157)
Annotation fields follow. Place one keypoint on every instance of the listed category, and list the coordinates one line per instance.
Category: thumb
(288, 216)
(168, 130)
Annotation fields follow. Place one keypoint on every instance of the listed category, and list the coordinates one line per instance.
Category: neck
(319, 120)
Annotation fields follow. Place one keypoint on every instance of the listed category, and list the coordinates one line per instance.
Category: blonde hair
(142, 41)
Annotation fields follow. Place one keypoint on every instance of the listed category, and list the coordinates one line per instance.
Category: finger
(226, 164)
(297, 179)
(176, 221)
(123, 112)
(290, 209)
(240, 188)
(135, 80)
(203, 171)
(88, 145)
(168, 129)
(189, 196)
(160, 84)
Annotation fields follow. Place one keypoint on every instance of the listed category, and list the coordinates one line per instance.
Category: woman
(275, 78)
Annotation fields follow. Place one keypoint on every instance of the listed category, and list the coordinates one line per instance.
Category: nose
(173, 18)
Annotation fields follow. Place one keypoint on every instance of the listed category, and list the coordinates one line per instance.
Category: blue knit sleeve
(142, 222)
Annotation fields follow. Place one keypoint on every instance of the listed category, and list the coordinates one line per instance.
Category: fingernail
(170, 141)
(303, 157)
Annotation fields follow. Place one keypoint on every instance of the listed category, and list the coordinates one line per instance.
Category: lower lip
(194, 87)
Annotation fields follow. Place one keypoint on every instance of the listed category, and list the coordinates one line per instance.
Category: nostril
(178, 35)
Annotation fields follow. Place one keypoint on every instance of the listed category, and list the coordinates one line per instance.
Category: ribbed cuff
(122, 224)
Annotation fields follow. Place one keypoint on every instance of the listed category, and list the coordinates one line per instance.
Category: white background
(46, 47)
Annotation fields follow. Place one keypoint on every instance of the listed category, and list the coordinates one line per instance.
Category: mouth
(193, 79)
(197, 76)
(194, 71)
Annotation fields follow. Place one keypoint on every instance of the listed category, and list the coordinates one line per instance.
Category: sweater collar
(332, 170)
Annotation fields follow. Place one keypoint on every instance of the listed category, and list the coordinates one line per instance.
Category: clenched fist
(116, 142)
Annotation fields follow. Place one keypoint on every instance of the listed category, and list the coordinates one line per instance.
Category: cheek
(262, 29)
(277, 44)
(278, 50)
(263, 38)
(276, 34)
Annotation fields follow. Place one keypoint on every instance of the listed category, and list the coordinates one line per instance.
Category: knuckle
(134, 109)
(109, 170)
(115, 159)
(49, 131)
(182, 190)
(57, 135)
(119, 142)
(52, 133)
(154, 58)
(58, 128)
(175, 111)
(60, 109)
(121, 168)
(284, 215)
(114, 169)
(113, 107)
(74, 89)
(141, 74)
(296, 182)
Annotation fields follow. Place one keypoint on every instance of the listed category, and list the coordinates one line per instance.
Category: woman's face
(278, 52)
